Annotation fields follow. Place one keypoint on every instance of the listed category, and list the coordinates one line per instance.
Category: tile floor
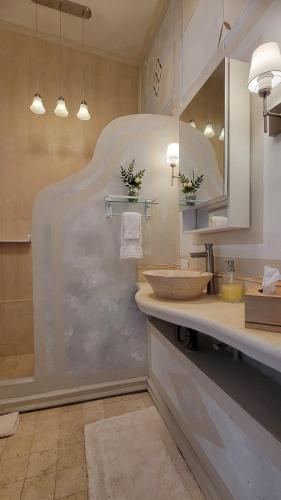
(45, 459)
(16, 366)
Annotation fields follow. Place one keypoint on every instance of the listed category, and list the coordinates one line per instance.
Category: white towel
(217, 221)
(131, 236)
(9, 423)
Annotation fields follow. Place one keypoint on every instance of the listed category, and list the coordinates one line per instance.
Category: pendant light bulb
(37, 106)
(209, 131)
(221, 137)
(60, 109)
(83, 113)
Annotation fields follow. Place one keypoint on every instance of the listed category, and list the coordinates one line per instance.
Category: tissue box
(263, 312)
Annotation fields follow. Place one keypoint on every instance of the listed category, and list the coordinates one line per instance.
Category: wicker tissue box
(263, 312)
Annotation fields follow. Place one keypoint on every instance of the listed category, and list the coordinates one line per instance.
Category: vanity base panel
(229, 452)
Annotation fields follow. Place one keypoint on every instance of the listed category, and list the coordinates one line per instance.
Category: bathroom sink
(177, 284)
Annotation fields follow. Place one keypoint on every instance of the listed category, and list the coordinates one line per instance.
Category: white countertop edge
(256, 344)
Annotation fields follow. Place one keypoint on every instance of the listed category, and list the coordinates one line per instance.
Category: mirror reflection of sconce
(172, 158)
(209, 131)
(221, 137)
(265, 74)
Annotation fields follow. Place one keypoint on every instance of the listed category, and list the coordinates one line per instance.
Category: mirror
(202, 145)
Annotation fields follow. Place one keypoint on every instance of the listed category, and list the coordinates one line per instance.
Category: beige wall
(37, 151)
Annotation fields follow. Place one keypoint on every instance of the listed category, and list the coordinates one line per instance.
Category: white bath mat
(9, 423)
(133, 457)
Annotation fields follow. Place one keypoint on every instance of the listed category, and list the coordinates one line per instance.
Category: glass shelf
(136, 203)
(192, 204)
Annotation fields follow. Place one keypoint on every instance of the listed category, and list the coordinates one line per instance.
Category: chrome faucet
(210, 268)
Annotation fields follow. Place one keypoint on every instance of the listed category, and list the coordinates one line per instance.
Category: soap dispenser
(232, 289)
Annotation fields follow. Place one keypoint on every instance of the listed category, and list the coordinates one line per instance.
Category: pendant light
(83, 113)
(37, 106)
(209, 131)
(61, 109)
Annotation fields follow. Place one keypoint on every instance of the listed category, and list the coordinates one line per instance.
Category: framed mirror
(202, 135)
(214, 149)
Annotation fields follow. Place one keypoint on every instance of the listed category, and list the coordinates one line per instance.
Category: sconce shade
(83, 113)
(221, 137)
(192, 123)
(265, 70)
(37, 105)
(209, 131)
(60, 109)
(172, 155)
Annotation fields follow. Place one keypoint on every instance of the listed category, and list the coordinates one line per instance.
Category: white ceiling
(117, 27)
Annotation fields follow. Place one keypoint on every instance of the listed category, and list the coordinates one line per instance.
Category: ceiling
(118, 28)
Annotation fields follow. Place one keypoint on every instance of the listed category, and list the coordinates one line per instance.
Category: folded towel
(9, 423)
(131, 236)
(132, 225)
(217, 221)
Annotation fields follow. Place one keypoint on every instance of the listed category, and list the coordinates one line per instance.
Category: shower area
(16, 318)
(75, 332)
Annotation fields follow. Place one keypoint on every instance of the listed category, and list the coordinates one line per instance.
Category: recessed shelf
(25, 240)
(134, 202)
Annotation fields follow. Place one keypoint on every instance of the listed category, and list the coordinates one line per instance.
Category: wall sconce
(265, 74)
(192, 123)
(172, 158)
(209, 131)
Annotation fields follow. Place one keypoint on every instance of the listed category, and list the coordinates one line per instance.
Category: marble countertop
(216, 318)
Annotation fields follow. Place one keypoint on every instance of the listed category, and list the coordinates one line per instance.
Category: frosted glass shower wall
(88, 330)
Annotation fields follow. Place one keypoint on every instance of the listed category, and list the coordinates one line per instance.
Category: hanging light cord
(37, 39)
(61, 55)
(83, 47)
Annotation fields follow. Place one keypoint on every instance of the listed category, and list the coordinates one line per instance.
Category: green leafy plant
(130, 178)
(191, 185)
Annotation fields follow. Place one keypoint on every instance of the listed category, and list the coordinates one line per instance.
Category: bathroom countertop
(216, 318)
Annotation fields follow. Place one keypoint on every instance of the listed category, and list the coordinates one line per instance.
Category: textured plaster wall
(87, 326)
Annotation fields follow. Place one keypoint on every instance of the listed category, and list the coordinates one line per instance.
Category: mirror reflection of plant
(130, 178)
(191, 185)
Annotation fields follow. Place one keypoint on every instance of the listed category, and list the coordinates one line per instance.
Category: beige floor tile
(42, 463)
(17, 447)
(96, 404)
(70, 481)
(39, 488)
(93, 411)
(134, 404)
(16, 366)
(77, 496)
(71, 417)
(13, 470)
(71, 408)
(12, 491)
(48, 412)
(30, 416)
(47, 440)
(25, 427)
(47, 422)
(113, 408)
(147, 399)
(25, 366)
(71, 455)
(71, 433)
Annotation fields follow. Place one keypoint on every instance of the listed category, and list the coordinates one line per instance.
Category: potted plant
(190, 187)
(131, 179)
